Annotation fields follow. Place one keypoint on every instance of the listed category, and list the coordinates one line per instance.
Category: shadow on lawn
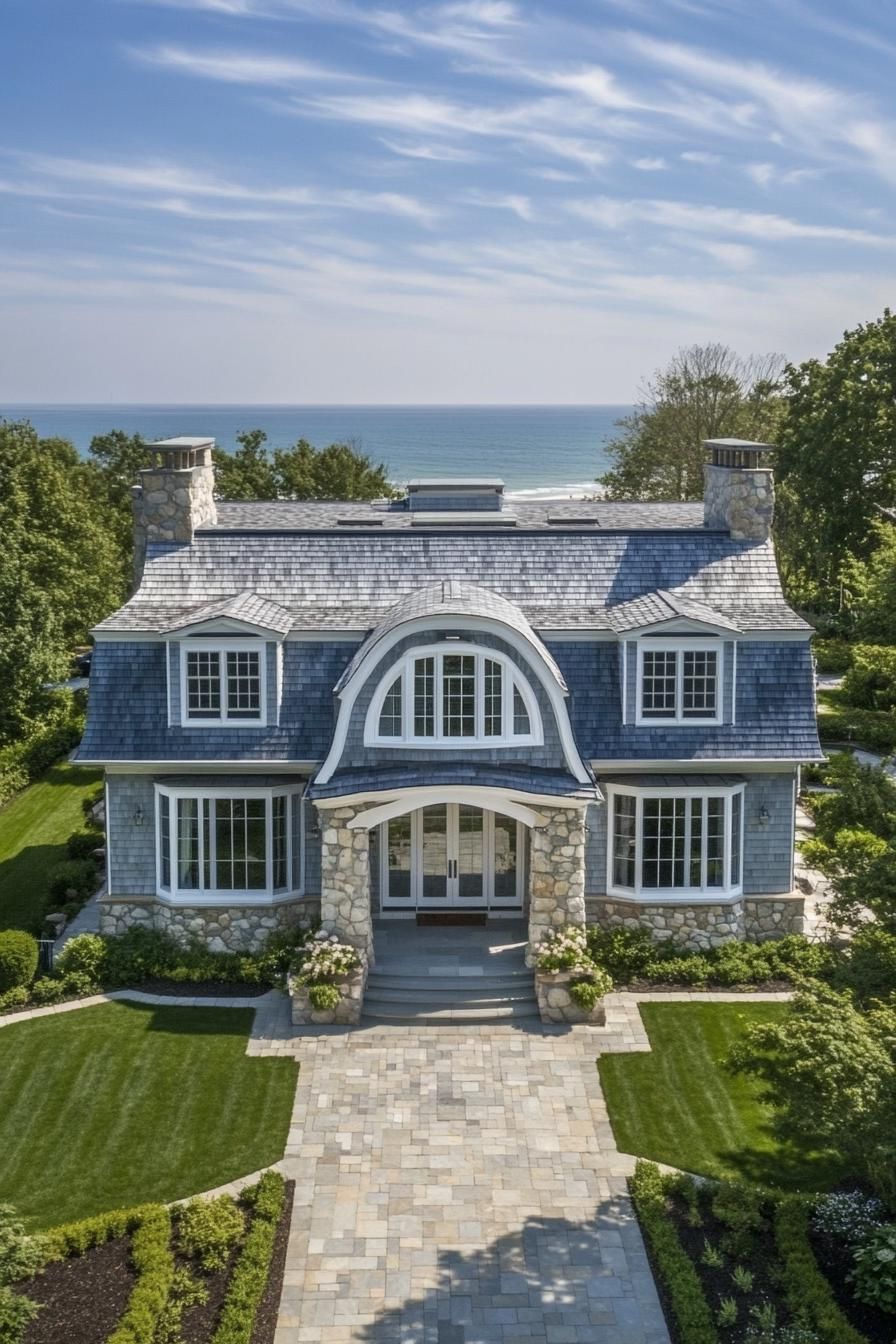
(23, 886)
(211, 1021)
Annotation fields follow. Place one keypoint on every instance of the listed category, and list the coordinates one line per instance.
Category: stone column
(345, 879)
(556, 873)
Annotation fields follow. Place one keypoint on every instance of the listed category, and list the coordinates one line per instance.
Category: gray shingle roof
(654, 608)
(290, 515)
(450, 598)
(559, 579)
(245, 606)
(524, 779)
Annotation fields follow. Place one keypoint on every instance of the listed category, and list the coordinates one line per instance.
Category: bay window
(675, 841)
(454, 694)
(215, 843)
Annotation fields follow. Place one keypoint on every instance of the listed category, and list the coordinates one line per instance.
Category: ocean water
(536, 450)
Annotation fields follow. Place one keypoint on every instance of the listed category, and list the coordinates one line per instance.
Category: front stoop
(347, 1012)
(556, 1004)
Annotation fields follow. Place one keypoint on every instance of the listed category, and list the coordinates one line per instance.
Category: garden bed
(84, 1298)
(734, 1262)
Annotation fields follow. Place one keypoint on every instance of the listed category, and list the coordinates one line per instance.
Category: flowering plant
(324, 959)
(874, 1276)
(848, 1216)
(566, 949)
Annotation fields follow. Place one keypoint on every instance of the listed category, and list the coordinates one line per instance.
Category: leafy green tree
(829, 1071)
(115, 461)
(59, 569)
(248, 472)
(300, 472)
(864, 797)
(704, 392)
(868, 588)
(836, 457)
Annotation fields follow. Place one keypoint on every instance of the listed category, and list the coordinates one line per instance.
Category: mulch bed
(664, 987)
(877, 1326)
(266, 1316)
(83, 1297)
(201, 989)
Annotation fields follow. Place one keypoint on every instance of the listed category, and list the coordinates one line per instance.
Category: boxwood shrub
(673, 1267)
(250, 1274)
(18, 959)
(809, 1294)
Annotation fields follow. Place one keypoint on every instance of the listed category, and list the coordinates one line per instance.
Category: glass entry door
(451, 856)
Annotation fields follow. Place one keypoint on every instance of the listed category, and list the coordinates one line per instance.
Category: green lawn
(109, 1106)
(678, 1105)
(33, 830)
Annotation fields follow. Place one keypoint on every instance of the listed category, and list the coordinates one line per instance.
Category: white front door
(451, 856)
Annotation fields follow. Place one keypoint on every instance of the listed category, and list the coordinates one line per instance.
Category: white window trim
(222, 648)
(680, 649)
(670, 895)
(199, 896)
(404, 669)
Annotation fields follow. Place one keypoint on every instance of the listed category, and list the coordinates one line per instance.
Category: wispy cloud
(649, 165)
(611, 213)
(236, 67)
(167, 186)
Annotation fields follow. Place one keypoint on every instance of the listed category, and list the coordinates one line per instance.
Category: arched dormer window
(454, 694)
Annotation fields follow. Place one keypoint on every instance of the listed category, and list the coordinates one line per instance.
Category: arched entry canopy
(489, 799)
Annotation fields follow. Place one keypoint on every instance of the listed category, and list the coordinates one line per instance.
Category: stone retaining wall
(347, 1012)
(219, 928)
(698, 927)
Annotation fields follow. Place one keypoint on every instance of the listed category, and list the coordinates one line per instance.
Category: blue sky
(484, 201)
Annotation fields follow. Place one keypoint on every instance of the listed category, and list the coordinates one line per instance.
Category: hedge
(250, 1274)
(809, 1294)
(18, 959)
(22, 762)
(153, 1259)
(83, 1235)
(674, 1269)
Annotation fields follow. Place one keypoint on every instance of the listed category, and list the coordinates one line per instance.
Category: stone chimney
(738, 491)
(174, 497)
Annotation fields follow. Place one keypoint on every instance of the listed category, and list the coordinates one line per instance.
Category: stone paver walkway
(461, 1187)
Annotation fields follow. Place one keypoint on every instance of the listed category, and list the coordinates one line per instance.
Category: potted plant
(326, 981)
(569, 984)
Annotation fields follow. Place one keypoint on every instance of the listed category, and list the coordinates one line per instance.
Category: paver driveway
(460, 1187)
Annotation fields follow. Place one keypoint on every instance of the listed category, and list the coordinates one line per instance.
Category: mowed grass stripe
(678, 1104)
(121, 1103)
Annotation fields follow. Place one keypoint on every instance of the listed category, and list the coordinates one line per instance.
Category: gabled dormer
(678, 661)
(225, 663)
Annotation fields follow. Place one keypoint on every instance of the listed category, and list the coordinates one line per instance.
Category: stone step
(463, 983)
(445, 998)
(423, 1013)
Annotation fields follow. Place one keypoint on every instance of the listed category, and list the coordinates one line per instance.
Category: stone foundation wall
(697, 927)
(219, 928)
(345, 879)
(556, 1004)
(556, 873)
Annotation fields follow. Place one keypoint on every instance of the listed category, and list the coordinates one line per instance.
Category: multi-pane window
(679, 685)
(453, 695)
(666, 842)
(209, 843)
(223, 685)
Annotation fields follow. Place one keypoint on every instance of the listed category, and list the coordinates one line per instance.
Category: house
(575, 710)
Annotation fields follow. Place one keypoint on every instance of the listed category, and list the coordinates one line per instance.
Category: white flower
(886, 1255)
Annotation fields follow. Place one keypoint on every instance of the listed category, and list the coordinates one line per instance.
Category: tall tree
(300, 472)
(59, 570)
(704, 392)
(115, 460)
(836, 458)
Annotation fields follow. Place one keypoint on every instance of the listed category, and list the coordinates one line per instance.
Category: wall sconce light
(764, 816)
(138, 815)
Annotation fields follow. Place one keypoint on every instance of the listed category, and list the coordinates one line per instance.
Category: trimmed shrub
(809, 1295)
(139, 954)
(78, 1237)
(72, 880)
(152, 1258)
(20, 1257)
(46, 991)
(16, 997)
(672, 1263)
(18, 958)
(250, 1274)
(81, 844)
(624, 953)
(85, 954)
(208, 1230)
